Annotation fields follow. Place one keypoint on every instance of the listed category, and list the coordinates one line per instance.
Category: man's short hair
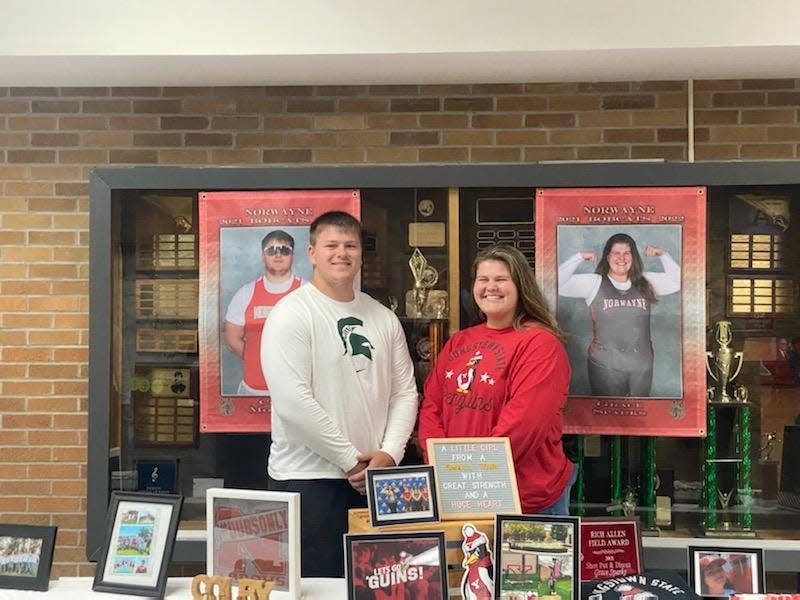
(334, 218)
(278, 235)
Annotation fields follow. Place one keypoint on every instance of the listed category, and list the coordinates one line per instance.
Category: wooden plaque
(166, 298)
(166, 340)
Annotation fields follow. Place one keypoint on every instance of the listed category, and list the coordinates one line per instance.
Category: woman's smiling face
(495, 293)
(620, 260)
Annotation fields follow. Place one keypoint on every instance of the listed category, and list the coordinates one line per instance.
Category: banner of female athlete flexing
(252, 253)
(625, 270)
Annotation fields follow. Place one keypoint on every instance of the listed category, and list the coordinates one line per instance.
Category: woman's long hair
(531, 306)
(636, 273)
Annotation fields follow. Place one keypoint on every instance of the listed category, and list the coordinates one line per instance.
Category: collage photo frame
(537, 555)
(139, 539)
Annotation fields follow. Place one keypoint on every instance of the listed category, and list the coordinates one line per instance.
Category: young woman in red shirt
(507, 377)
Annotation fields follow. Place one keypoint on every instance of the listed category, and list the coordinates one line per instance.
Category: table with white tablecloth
(178, 588)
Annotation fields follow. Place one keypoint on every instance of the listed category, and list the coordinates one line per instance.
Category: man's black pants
(323, 521)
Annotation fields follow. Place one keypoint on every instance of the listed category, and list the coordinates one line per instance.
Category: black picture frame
(743, 569)
(414, 560)
(137, 548)
(35, 544)
(548, 546)
(402, 495)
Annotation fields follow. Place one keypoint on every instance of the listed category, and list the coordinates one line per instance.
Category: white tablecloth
(178, 588)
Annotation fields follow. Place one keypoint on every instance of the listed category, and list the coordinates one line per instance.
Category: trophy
(725, 502)
(425, 277)
(629, 504)
(769, 446)
(626, 504)
(770, 469)
(723, 363)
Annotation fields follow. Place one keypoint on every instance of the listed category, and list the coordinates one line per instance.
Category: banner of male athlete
(253, 251)
(625, 270)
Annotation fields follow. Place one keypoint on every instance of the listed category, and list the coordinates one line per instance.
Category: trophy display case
(406, 265)
(156, 286)
(418, 247)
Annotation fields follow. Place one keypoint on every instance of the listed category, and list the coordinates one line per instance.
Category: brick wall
(50, 138)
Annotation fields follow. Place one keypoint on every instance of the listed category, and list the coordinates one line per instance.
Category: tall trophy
(723, 358)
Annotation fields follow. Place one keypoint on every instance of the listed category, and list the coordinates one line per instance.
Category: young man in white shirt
(343, 391)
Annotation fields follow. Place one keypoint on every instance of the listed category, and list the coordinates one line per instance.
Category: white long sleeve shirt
(585, 285)
(342, 383)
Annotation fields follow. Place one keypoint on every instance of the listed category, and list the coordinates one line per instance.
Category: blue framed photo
(402, 495)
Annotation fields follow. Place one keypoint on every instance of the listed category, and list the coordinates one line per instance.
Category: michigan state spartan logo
(354, 342)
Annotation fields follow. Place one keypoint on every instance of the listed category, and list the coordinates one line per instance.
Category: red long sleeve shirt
(505, 383)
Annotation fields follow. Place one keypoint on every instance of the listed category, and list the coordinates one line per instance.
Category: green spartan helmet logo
(358, 343)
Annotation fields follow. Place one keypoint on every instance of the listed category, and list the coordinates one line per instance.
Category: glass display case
(418, 247)
(153, 416)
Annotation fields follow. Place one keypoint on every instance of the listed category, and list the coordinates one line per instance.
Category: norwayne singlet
(620, 324)
(258, 308)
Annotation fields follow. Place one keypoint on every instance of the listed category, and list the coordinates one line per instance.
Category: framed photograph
(625, 270)
(396, 565)
(610, 547)
(402, 495)
(254, 535)
(253, 251)
(536, 555)
(26, 556)
(140, 535)
(722, 571)
(475, 477)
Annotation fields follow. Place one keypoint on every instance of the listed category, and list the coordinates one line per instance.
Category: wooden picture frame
(552, 543)
(254, 534)
(401, 495)
(719, 571)
(27, 556)
(475, 477)
(617, 537)
(396, 563)
(137, 548)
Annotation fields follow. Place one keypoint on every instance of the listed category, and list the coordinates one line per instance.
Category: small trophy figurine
(425, 277)
(766, 450)
(723, 362)
(629, 504)
(725, 502)
(626, 504)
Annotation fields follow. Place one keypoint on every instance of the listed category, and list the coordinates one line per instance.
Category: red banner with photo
(624, 269)
(253, 251)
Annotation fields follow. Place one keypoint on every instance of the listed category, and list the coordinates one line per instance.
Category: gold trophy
(723, 363)
(425, 277)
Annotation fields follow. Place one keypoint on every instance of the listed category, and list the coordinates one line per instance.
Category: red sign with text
(253, 251)
(610, 548)
(624, 270)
